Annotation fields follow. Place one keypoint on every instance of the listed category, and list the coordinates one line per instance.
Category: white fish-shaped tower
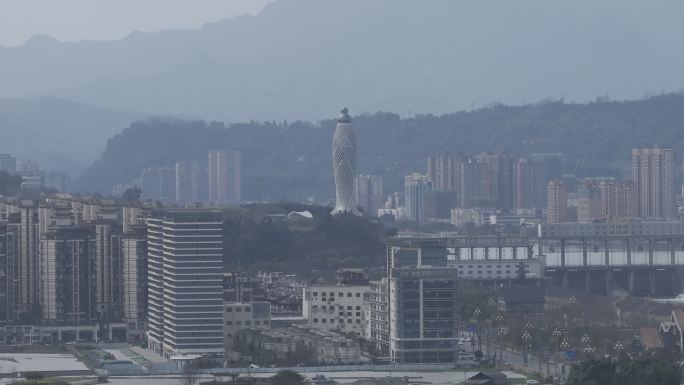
(344, 165)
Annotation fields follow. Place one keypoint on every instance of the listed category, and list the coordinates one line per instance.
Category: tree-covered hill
(259, 236)
(291, 161)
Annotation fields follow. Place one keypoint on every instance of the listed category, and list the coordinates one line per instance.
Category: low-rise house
(298, 344)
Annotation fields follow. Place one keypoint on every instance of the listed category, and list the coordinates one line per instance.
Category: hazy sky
(72, 20)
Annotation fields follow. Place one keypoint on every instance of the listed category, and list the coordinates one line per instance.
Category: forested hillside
(291, 161)
(256, 239)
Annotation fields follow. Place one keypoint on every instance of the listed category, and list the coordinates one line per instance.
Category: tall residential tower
(653, 172)
(225, 176)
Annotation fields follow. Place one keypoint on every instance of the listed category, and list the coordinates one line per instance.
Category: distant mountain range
(59, 134)
(305, 58)
(291, 161)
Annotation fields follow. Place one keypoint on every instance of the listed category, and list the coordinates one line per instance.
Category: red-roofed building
(671, 333)
(648, 338)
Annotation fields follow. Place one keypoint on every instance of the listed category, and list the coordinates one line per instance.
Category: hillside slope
(291, 161)
(59, 134)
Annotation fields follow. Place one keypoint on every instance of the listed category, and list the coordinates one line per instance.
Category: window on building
(315, 294)
(358, 308)
(248, 323)
(349, 307)
(257, 323)
(229, 310)
(349, 314)
(247, 309)
(323, 320)
(358, 295)
(238, 309)
(358, 321)
(238, 323)
(349, 294)
(229, 323)
(332, 320)
(315, 320)
(358, 314)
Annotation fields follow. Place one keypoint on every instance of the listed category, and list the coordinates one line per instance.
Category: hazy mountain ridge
(291, 161)
(59, 134)
(299, 57)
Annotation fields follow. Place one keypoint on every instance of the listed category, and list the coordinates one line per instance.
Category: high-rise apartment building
(185, 282)
(557, 198)
(24, 225)
(159, 183)
(442, 171)
(653, 173)
(149, 183)
(68, 276)
(589, 202)
(107, 264)
(495, 183)
(225, 176)
(63, 260)
(187, 182)
(369, 193)
(134, 279)
(531, 174)
(415, 186)
(617, 199)
(6, 276)
(8, 163)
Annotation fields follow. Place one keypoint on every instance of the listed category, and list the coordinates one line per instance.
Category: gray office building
(185, 282)
(419, 296)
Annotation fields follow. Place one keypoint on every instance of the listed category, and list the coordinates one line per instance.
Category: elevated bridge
(644, 258)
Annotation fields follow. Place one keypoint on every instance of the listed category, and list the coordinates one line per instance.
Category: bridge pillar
(562, 252)
(608, 278)
(587, 281)
(630, 282)
(566, 283)
(651, 244)
(651, 283)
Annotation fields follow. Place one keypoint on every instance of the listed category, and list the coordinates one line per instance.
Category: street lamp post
(586, 341)
(556, 333)
(499, 334)
(526, 336)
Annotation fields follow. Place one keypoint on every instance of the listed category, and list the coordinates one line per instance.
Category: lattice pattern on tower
(344, 165)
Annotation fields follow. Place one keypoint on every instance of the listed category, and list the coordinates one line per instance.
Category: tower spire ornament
(344, 165)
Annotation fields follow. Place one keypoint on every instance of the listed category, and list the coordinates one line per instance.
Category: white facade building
(461, 216)
(185, 282)
(344, 165)
(334, 307)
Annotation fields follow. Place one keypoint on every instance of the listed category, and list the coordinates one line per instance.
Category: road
(548, 368)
